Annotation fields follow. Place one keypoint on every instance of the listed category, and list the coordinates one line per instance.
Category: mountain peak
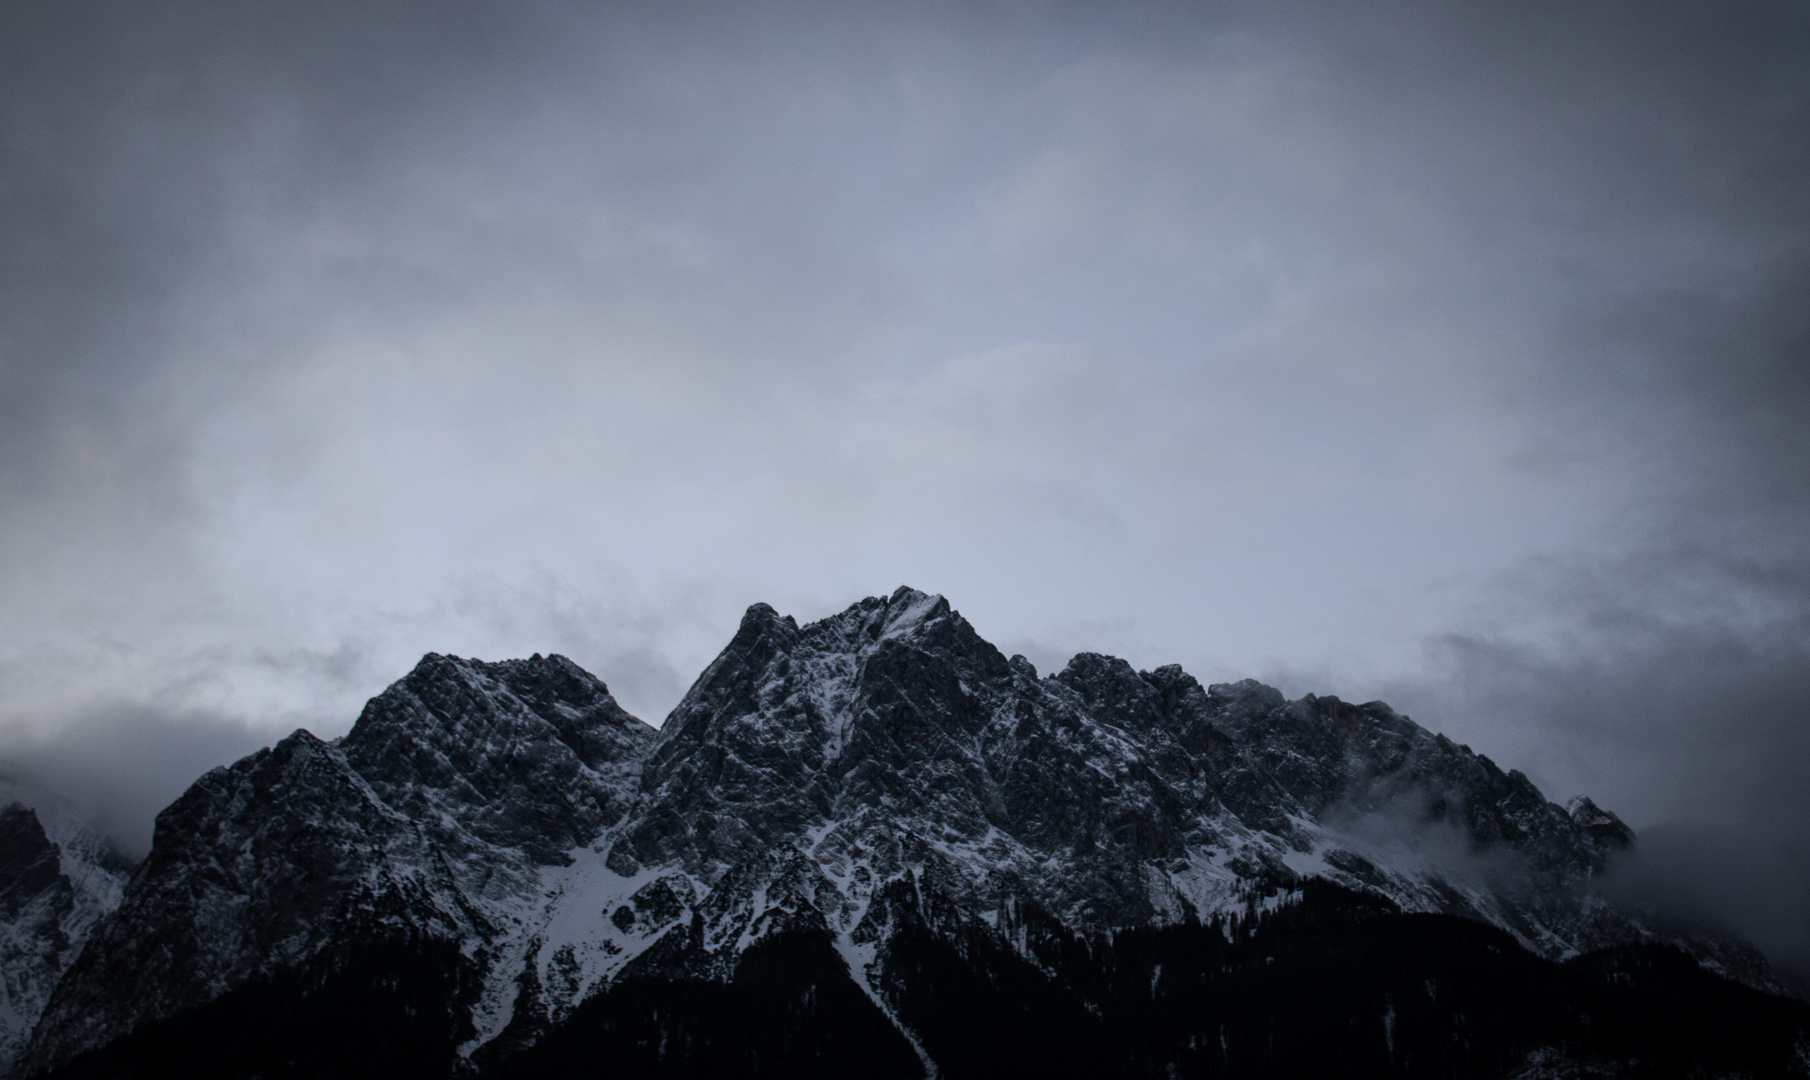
(761, 616)
(1601, 825)
(880, 771)
(28, 860)
(534, 754)
(55, 885)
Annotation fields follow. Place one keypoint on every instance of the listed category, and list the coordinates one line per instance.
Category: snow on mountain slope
(1113, 796)
(54, 887)
(809, 766)
(886, 752)
(431, 819)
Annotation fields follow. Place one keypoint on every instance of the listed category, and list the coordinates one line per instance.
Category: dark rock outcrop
(52, 892)
(428, 823)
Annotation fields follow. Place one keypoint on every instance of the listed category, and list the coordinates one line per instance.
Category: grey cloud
(1710, 380)
(1693, 877)
(1670, 687)
(115, 768)
(1404, 831)
(633, 643)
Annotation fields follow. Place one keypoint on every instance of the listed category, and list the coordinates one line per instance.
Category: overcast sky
(1453, 354)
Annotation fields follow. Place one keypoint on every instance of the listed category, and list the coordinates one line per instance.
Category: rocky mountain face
(431, 820)
(52, 892)
(849, 842)
(1114, 797)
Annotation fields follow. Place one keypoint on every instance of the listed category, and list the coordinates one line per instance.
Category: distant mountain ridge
(846, 813)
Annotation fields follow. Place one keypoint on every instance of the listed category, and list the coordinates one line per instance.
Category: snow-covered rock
(892, 733)
(880, 767)
(54, 887)
(432, 819)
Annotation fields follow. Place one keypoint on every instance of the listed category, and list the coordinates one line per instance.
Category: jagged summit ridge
(431, 819)
(1117, 795)
(515, 811)
(790, 727)
(534, 754)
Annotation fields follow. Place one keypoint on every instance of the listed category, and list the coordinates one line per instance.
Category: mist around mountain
(871, 845)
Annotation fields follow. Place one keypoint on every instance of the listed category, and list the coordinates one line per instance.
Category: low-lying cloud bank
(113, 769)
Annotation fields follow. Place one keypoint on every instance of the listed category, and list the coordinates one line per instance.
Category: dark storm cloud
(1672, 679)
(1711, 379)
(115, 768)
(124, 131)
(1676, 691)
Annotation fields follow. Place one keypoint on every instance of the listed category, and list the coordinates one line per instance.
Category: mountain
(874, 844)
(52, 893)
